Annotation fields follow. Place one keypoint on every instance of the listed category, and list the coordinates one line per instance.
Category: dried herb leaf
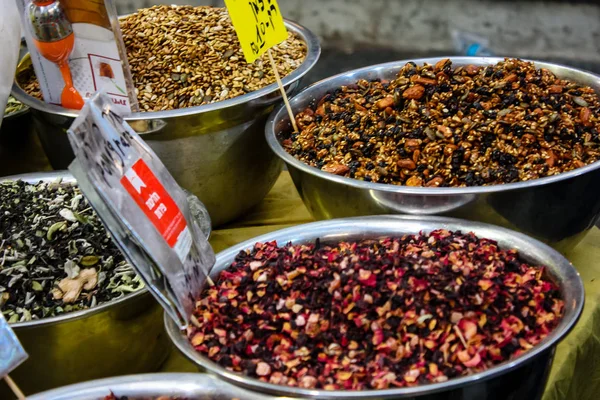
(45, 229)
(71, 269)
(55, 228)
(88, 261)
(68, 215)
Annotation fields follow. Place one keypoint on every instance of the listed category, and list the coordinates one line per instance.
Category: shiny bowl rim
(564, 270)
(67, 177)
(313, 52)
(131, 385)
(280, 113)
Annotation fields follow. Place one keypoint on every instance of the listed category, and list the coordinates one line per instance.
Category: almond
(422, 80)
(555, 89)
(584, 116)
(407, 164)
(472, 69)
(435, 182)
(385, 103)
(414, 92)
(441, 64)
(337, 169)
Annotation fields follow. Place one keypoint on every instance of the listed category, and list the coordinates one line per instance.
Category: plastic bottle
(469, 44)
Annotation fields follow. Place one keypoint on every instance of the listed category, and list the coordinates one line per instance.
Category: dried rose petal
(375, 314)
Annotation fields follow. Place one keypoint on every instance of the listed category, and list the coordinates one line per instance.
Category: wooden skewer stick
(285, 98)
(13, 386)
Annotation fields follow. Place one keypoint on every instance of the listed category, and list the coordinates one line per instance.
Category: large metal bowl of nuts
(204, 118)
(505, 142)
(79, 309)
(152, 387)
(385, 307)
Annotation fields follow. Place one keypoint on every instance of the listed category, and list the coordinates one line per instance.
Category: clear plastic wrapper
(141, 205)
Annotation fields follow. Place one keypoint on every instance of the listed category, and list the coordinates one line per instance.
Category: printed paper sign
(12, 353)
(258, 24)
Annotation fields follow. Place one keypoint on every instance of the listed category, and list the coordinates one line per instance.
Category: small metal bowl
(135, 387)
(16, 114)
(558, 210)
(522, 378)
(216, 151)
(124, 336)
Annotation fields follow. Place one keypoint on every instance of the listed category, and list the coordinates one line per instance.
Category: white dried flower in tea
(55, 255)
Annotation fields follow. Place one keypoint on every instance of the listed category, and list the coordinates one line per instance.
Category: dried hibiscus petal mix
(435, 125)
(374, 314)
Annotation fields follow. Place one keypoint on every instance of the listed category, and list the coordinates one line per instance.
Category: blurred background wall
(535, 29)
(355, 33)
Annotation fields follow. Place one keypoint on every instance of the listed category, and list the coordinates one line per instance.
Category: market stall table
(574, 373)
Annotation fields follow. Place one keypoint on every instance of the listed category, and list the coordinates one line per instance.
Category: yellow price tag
(258, 24)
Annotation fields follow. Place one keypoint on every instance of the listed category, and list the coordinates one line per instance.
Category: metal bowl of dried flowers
(211, 141)
(152, 387)
(76, 305)
(385, 307)
(507, 142)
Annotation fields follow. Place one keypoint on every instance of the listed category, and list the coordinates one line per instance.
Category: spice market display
(440, 126)
(55, 255)
(426, 313)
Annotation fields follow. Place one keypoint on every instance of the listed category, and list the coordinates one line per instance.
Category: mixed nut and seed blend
(55, 255)
(374, 314)
(436, 125)
(184, 56)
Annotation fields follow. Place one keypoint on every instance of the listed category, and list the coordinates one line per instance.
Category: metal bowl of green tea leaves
(14, 108)
(79, 309)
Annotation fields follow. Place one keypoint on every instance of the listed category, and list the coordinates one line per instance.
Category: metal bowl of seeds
(152, 387)
(385, 307)
(77, 306)
(501, 141)
(205, 107)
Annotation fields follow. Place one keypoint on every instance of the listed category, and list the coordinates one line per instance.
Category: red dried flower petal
(371, 314)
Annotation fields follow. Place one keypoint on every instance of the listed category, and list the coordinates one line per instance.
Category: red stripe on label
(150, 195)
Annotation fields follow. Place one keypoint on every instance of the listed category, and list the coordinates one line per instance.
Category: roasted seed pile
(184, 56)
(434, 125)
(374, 314)
(55, 255)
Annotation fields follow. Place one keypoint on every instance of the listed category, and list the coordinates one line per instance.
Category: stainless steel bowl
(190, 386)
(558, 210)
(522, 378)
(216, 151)
(125, 336)
(16, 114)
